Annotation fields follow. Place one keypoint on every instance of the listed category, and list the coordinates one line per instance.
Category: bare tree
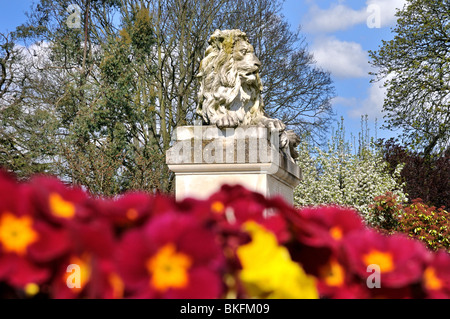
(110, 94)
(295, 90)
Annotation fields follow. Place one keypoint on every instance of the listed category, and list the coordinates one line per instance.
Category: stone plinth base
(204, 158)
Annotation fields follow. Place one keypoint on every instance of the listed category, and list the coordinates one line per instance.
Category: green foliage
(26, 146)
(339, 176)
(110, 146)
(428, 224)
(25, 130)
(88, 114)
(416, 66)
(98, 105)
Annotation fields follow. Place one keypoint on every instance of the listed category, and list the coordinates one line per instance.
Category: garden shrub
(428, 224)
(385, 212)
(417, 220)
(425, 178)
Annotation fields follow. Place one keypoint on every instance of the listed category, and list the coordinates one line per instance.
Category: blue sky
(337, 33)
(340, 33)
(12, 13)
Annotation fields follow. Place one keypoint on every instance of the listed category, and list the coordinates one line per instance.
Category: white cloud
(388, 8)
(343, 59)
(373, 104)
(341, 17)
(337, 17)
(345, 101)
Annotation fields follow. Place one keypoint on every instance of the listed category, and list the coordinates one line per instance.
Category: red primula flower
(57, 202)
(436, 277)
(399, 259)
(173, 256)
(87, 276)
(93, 254)
(326, 226)
(334, 280)
(127, 210)
(201, 209)
(26, 242)
(239, 204)
(234, 205)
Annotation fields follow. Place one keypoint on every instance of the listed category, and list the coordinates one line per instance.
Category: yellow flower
(268, 270)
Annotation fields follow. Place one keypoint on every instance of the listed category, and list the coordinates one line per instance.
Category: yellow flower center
(169, 268)
(432, 282)
(16, 233)
(132, 214)
(332, 273)
(31, 289)
(84, 275)
(383, 259)
(60, 207)
(217, 207)
(336, 233)
(117, 285)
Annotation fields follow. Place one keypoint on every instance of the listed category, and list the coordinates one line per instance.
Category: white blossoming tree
(344, 176)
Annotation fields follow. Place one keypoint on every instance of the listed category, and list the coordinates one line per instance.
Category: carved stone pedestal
(204, 158)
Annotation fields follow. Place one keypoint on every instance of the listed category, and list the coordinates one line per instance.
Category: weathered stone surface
(240, 144)
(230, 88)
(204, 158)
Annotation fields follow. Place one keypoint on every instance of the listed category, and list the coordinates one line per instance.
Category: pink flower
(234, 205)
(93, 251)
(128, 210)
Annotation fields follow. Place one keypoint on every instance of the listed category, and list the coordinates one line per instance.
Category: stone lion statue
(230, 88)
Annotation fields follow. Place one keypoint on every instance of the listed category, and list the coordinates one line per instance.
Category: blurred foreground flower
(57, 241)
(27, 242)
(173, 256)
(267, 268)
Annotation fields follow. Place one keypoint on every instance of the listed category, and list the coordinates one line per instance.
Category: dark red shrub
(426, 178)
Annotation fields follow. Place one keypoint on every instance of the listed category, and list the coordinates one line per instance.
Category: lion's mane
(221, 90)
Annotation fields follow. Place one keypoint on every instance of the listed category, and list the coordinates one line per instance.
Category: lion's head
(230, 85)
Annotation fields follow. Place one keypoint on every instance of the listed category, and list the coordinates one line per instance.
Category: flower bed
(59, 242)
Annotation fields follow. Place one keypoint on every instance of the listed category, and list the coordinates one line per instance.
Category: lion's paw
(274, 124)
(227, 121)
